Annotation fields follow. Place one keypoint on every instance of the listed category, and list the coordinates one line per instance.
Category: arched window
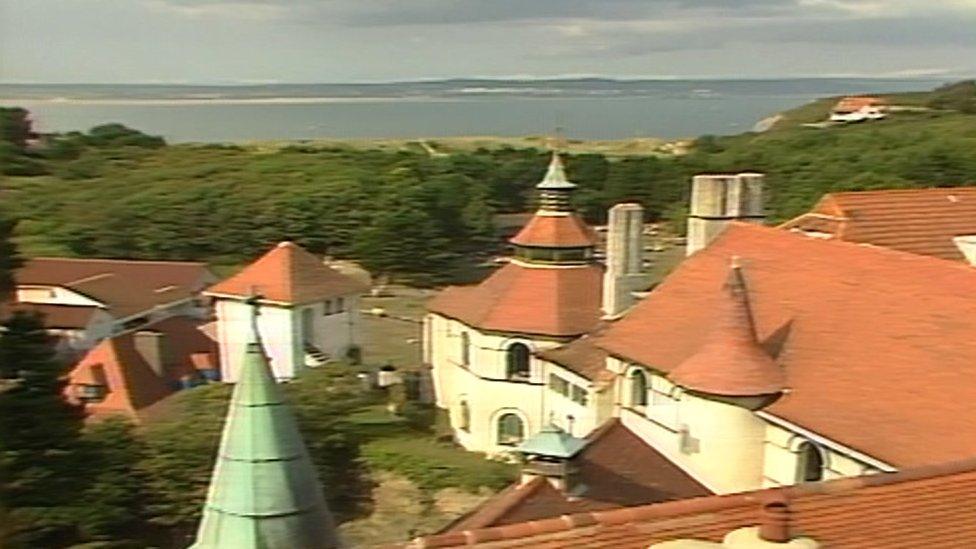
(465, 349)
(810, 463)
(517, 361)
(638, 388)
(464, 421)
(511, 431)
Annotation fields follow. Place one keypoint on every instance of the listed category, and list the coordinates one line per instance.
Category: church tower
(264, 493)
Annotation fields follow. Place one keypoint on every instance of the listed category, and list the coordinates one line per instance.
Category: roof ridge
(909, 256)
(695, 505)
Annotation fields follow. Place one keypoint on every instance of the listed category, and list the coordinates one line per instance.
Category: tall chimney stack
(718, 199)
(624, 274)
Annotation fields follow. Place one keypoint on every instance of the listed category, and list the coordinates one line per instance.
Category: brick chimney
(624, 274)
(717, 200)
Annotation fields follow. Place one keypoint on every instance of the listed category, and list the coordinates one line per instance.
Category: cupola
(549, 454)
(555, 234)
(731, 365)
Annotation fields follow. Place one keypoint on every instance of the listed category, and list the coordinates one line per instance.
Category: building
(128, 373)
(264, 492)
(87, 300)
(756, 364)
(310, 312)
(935, 222)
(859, 109)
(480, 340)
(925, 507)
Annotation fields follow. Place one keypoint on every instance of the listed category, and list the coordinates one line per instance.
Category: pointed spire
(731, 362)
(264, 492)
(555, 178)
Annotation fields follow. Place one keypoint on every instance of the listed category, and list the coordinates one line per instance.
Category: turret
(264, 492)
(731, 366)
(717, 200)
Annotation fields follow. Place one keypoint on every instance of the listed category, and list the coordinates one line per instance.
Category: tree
(38, 438)
(10, 261)
(15, 126)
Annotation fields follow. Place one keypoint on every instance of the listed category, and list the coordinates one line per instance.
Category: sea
(583, 108)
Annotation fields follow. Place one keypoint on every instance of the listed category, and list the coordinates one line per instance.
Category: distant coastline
(588, 108)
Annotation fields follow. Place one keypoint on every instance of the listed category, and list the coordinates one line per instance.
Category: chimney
(150, 346)
(624, 275)
(718, 199)
(774, 525)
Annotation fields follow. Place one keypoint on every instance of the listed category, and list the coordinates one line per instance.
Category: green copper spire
(264, 493)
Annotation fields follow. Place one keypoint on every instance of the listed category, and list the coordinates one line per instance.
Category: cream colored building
(766, 359)
(309, 312)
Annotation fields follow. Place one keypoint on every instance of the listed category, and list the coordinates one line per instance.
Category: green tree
(10, 261)
(38, 438)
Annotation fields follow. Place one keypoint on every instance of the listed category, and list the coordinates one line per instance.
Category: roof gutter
(826, 442)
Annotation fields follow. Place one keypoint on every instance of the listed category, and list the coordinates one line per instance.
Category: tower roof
(288, 274)
(731, 362)
(551, 441)
(264, 492)
(555, 178)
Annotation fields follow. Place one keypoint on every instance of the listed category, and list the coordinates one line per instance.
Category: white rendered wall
(54, 295)
(782, 456)
(724, 448)
(482, 384)
(277, 335)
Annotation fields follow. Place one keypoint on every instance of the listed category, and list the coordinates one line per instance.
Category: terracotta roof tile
(581, 356)
(731, 362)
(130, 383)
(847, 323)
(617, 469)
(555, 231)
(126, 287)
(553, 301)
(930, 507)
(288, 274)
(920, 221)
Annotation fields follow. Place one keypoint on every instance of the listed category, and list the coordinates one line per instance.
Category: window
(558, 384)
(517, 361)
(579, 395)
(91, 393)
(638, 388)
(510, 429)
(327, 308)
(465, 349)
(464, 419)
(810, 463)
(340, 305)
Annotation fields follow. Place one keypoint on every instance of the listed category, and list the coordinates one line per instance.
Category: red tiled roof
(920, 221)
(191, 345)
(74, 317)
(616, 468)
(876, 344)
(130, 383)
(849, 104)
(555, 231)
(288, 274)
(731, 361)
(125, 287)
(929, 507)
(555, 301)
(581, 356)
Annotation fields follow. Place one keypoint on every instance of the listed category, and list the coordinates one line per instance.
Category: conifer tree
(38, 438)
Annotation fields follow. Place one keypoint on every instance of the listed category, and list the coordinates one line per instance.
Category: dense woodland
(115, 192)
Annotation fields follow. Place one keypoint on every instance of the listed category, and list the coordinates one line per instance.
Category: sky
(299, 41)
